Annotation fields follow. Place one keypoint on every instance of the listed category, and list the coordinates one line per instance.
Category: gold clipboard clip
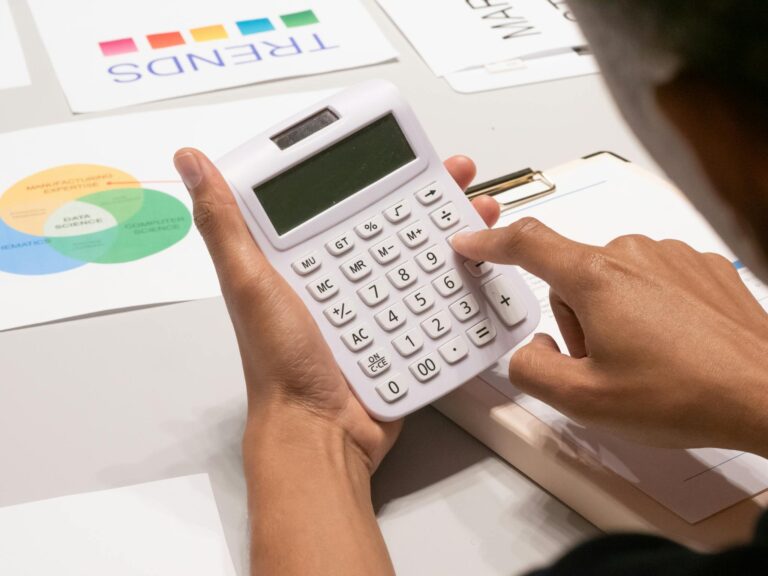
(514, 189)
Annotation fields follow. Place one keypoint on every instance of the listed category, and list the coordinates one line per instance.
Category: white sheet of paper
(529, 71)
(596, 202)
(169, 528)
(454, 35)
(13, 67)
(93, 216)
(112, 53)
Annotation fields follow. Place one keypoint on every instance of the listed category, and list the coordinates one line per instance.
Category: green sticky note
(299, 19)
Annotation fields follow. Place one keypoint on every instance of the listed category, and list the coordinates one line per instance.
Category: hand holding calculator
(352, 206)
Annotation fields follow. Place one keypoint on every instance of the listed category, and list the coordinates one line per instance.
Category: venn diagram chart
(77, 215)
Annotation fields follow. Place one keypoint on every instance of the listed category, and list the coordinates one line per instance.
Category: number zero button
(393, 389)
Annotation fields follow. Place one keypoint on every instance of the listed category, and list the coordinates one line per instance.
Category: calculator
(352, 205)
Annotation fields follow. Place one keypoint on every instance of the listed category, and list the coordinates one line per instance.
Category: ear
(729, 133)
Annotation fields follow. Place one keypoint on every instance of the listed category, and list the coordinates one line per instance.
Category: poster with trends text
(93, 216)
(113, 53)
(13, 67)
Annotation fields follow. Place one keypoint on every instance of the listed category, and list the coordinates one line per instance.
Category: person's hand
(667, 346)
(292, 378)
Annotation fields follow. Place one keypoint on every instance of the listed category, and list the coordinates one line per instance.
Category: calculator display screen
(334, 174)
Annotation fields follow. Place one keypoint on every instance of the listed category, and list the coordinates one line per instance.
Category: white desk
(138, 396)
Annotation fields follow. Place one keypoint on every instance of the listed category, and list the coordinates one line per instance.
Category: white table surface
(136, 396)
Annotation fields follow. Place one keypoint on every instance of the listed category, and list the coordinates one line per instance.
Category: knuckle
(205, 216)
(629, 243)
(595, 266)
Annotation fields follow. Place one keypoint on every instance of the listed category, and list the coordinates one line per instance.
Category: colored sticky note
(115, 47)
(299, 19)
(208, 33)
(255, 26)
(165, 40)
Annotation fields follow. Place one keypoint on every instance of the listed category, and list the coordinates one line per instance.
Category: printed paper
(93, 216)
(116, 53)
(13, 68)
(171, 527)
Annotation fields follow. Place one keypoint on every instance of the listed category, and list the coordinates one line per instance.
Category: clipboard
(537, 440)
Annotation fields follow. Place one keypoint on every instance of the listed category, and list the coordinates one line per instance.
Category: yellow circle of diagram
(27, 205)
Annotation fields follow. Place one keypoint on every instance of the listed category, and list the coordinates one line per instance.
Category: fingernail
(189, 170)
(461, 236)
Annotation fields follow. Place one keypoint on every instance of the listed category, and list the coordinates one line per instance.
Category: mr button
(375, 364)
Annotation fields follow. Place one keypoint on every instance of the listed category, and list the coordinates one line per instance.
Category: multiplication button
(429, 194)
(482, 333)
(445, 216)
(374, 363)
(426, 368)
(393, 389)
(414, 234)
(307, 264)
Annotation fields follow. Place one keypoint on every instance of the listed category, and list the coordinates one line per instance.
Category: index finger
(529, 244)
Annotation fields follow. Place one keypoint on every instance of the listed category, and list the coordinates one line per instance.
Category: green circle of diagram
(147, 222)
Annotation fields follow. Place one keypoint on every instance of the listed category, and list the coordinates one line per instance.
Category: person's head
(691, 78)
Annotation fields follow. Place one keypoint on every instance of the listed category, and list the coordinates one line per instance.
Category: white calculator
(352, 205)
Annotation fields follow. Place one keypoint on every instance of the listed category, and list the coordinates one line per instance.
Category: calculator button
(408, 343)
(503, 299)
(357, 268)
(465, 308)
(437, 325)
(413, 235)
(478, 269)
(420, 300)
(448, 284)
(370, 228)
(482, 333)
(426, 368)
(429, 194)
(454, 350)
(374, 293)
(393, 389)
(358, 338)
(431, 259)
(306, 265)
(398, 212)
(341, 312)
(392, 318)
(375, 363)
(403, 276)
(459, 231)
(341, 245)
(324, 288)
(386, 251)
(446, 216)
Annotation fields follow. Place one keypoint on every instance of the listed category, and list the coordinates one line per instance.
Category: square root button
(374, 363)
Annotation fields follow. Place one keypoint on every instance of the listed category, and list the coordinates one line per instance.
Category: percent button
(370, 228)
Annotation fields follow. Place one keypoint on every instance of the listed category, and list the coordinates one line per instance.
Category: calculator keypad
(413, 290)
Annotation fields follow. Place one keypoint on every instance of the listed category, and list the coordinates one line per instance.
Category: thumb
(218, 219)
(539, 369)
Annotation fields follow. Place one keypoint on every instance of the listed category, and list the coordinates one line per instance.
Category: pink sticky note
(115, 47)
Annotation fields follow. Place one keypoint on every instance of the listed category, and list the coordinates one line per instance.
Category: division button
(341, 312)
(408, 343)
(341, 245)
(324, 288)
(358, 338)
(482, 333)
(478, 269)
(370, 228)
(454, 350)
(426, 368)
(398, 212)
(386, 251)
(429, 195)
(504, 301)
(446, 216)
(414, 235)
(393, 389)
(465, 308)
(375, 363)
(308, 264)
(357, 267)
